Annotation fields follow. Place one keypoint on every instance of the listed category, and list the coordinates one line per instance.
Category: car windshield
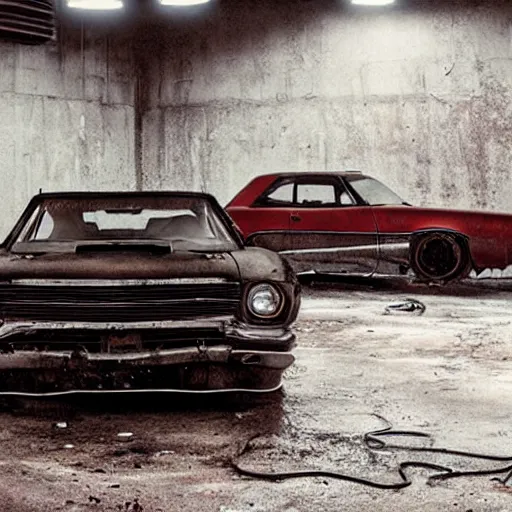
(176, 222)
(374, 192)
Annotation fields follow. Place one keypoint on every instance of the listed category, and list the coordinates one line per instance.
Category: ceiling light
(373, 2)
(183, 2)
(95, 5)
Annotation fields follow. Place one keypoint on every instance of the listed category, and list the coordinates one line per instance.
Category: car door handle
(295, 218)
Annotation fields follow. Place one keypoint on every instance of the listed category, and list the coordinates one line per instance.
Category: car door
(329, 230)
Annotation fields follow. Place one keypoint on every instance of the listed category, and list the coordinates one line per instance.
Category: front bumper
(244, 359)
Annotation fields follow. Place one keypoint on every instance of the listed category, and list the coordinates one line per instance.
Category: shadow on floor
(140, 403)
(466, 288)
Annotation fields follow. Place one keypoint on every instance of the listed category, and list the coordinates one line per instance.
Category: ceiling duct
(27, 21)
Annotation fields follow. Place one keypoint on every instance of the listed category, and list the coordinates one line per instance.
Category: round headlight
(264, 300)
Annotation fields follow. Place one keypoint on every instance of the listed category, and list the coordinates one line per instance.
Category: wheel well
(460, 238)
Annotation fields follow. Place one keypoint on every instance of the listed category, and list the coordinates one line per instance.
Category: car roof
(291, 174)
(142, 194)
(259, 184)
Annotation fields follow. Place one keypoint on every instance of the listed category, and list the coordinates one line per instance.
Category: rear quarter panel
(252, 191)
(489, 234)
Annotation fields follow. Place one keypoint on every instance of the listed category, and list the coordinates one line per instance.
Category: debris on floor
(164, 452)
(412, 306)
(124, 436)
(448, 374)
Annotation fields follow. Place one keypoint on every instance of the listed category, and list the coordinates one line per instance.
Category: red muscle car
(347, 222)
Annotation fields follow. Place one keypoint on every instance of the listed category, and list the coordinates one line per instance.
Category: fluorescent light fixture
(96, 5)
(183, 2)
(373, 2)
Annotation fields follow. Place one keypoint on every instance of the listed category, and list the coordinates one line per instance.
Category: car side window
(282, 194)
(316, 194)
(279, 194)
(296, 192)
(346, 199)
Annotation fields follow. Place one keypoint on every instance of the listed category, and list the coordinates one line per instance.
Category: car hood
(118, 265)
(248, 264)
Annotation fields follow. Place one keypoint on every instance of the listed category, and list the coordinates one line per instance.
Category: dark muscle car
(348, 222)
(124, 292)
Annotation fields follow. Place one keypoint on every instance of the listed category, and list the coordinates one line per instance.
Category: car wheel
(440, 257)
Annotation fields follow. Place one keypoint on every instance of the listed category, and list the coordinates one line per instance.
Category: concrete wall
(420, 97)
(66, 118)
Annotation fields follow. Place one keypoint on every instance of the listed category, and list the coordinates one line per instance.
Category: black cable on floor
(375, 441)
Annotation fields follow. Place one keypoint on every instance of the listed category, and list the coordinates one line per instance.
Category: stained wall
(419, 96)
(66, 117)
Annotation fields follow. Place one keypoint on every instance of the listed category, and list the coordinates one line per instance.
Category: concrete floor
(446, 372)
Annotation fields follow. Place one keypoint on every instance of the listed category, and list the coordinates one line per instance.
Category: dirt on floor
(445, 372)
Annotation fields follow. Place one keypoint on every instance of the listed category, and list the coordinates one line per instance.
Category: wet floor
(445, 372)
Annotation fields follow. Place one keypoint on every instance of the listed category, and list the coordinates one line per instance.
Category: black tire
(440, 257)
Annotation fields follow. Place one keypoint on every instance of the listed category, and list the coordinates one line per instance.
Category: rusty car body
(350, 223)
(139, 291)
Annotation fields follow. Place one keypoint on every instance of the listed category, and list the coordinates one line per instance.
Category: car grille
(119, 303)
(95, 341)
